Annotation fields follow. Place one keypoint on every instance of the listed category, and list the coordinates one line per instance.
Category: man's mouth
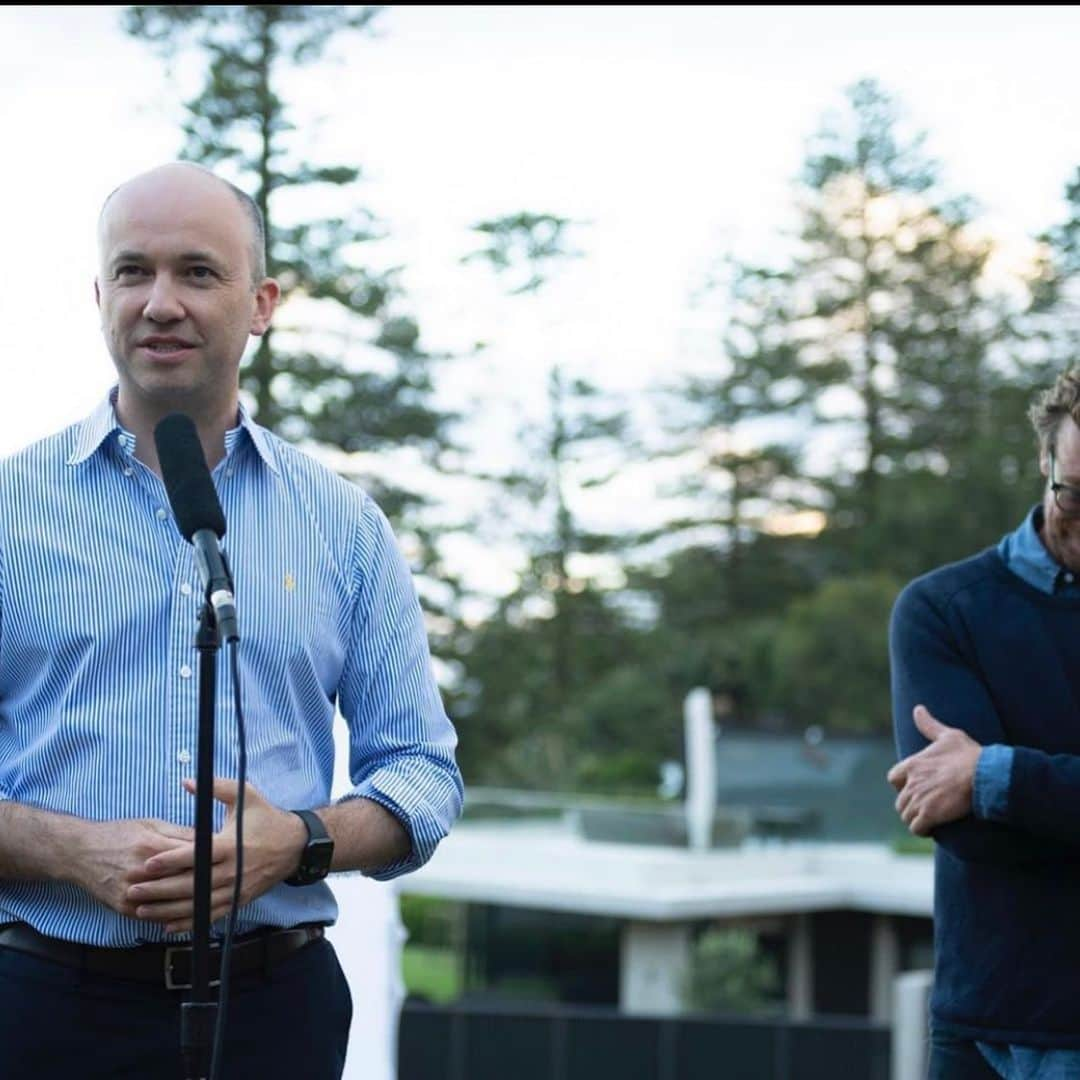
(163, 347)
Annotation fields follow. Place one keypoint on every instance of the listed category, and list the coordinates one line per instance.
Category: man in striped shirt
(99, 597)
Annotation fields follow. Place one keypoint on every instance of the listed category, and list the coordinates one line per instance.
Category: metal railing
(501, 1042)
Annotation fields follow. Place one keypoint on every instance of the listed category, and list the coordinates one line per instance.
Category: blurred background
(674, 341)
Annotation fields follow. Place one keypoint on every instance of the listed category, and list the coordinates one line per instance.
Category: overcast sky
(675, 132)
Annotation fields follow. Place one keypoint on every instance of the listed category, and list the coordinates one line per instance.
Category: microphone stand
(199, 1015)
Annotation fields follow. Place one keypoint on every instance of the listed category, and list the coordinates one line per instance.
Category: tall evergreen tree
(882, 336)
(561, 622)
(870, 385)
(354, 376)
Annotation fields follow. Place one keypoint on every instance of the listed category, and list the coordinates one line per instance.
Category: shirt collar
(1024, 553)
(102, 422)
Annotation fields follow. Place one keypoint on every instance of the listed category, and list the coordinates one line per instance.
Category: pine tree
(349, 372)
(553, 635)
(881, 339)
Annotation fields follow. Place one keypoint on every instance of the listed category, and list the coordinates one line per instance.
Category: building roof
(548, 865)
(835, 783)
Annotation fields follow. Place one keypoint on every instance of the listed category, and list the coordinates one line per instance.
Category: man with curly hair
(985, 660)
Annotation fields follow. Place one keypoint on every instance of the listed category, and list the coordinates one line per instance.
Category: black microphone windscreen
(187, 479)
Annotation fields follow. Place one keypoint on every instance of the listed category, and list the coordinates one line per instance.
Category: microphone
(198, 512)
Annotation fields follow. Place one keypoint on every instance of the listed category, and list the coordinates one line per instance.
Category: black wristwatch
(317, 853)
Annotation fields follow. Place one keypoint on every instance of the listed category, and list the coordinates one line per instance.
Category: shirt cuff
(401, 866)
(990, 789)
(425, 825)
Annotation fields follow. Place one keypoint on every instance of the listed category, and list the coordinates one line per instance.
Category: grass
(431, 973)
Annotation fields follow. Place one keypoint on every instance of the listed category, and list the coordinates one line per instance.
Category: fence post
(910, 1025)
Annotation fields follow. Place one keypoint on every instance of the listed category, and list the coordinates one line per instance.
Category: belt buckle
(170, 982)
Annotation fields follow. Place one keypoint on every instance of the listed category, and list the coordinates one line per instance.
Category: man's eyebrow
(127, 256)
(131, 255)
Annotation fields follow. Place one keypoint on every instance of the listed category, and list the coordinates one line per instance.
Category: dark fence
(489, 1042)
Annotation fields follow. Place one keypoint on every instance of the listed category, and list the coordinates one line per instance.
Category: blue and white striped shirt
(99, 602)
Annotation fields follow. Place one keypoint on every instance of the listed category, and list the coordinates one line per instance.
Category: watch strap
(316, 830)
(318, 851)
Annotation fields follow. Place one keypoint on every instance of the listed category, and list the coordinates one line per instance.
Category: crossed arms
(949, 702)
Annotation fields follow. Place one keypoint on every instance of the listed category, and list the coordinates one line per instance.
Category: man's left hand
(273, 841)
(935, 784)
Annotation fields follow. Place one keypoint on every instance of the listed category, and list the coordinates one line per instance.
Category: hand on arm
(145, 868)
(365, 835)
(931, 659)
(273, 840)
(102, 857)
(935, 785)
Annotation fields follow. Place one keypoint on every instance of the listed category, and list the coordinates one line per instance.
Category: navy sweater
(986, 652)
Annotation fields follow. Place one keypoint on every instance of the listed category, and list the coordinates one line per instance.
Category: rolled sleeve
(402, 794)
(990, 790)
(401, 742)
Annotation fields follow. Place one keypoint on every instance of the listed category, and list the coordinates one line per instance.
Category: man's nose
(163, 302)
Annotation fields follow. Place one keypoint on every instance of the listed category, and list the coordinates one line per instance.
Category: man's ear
(267, 295)
(1044, 463)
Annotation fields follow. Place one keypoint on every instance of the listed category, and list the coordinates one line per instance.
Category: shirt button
(185, 672)
(129, 471)
(185, 588)
(162, 513)
(184, 757)
(228, 471)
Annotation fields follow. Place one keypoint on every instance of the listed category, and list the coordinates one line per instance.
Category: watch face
(319, 855)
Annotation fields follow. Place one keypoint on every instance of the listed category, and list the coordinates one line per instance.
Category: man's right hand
(112, 856)
(936, 783)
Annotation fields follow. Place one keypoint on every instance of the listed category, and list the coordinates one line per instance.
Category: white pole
(911, 1036)
(700, 736)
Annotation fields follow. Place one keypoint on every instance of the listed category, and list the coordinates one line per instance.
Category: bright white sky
(675, 131)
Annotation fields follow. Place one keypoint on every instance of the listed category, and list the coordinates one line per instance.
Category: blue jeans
(57, 1023)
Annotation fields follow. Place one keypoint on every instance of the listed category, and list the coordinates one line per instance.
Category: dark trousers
(956, 1058)
(59, 1024)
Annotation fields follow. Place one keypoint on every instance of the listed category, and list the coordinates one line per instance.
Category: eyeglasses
(1066, 496)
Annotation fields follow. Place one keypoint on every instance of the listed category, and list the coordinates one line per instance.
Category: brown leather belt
(167, 965)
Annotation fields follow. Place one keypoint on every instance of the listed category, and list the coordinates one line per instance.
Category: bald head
(180, 295)
(182, 181)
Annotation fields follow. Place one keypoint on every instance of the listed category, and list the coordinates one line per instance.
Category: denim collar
(1024, 553)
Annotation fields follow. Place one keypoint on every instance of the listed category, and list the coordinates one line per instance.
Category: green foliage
(520, 726)
(880, 336)
(895, 314)
(1061, 263)
(524, 244)
(541, 721)
(864, 138)
(880, 327)
(730, 973)
(429, 920)
(368, 387)
(831, 656)
(432, 974)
